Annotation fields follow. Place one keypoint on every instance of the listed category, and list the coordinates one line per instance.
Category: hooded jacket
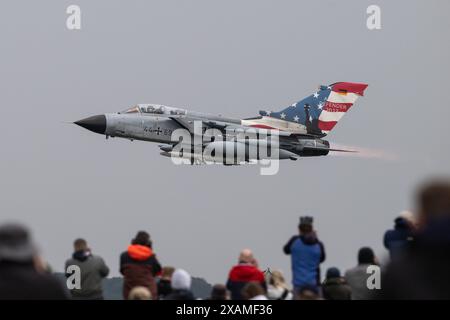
(139, 266)
(93, 270)
(307, 253)
(242, 274)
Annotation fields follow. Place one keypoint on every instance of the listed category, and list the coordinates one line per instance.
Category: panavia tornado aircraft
(300, 127)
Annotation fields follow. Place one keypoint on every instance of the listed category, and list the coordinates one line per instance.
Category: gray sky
(227, 57)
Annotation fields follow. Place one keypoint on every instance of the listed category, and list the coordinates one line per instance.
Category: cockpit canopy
(154, 109)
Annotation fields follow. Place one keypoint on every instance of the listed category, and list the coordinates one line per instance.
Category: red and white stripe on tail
(342, 96)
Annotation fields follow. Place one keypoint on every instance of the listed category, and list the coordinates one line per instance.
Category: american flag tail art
(321, 111)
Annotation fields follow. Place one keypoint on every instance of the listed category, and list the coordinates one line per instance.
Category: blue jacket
(397, 240)
(307, 252)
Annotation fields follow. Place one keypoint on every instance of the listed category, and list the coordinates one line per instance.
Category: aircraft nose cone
(95, 123)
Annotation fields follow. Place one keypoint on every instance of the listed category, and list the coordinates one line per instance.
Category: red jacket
(242, 274)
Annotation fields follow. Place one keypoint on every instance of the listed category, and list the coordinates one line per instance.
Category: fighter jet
(299, 128)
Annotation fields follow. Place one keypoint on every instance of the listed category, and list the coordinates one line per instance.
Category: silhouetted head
(333, 272)
(80, 245)
(366, 256)
(246, 256)
(142, 238)
(16, 244)
(433, 201)
(251, 290)
(308, 292)
(306, 225)
(219, 292)
(167, 272)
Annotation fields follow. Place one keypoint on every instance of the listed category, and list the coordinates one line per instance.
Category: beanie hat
(181, 280)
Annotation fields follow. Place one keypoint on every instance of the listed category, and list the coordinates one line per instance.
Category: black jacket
(399, 238)
(180, 295)
(22, 281)
(164, 288)
(422, 272)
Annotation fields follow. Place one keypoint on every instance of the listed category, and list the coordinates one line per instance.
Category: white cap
(181, 280)
(408, 216)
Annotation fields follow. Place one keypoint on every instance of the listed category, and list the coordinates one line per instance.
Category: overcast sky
(226, 57)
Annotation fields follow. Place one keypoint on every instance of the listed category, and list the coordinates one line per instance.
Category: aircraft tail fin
(322, 110)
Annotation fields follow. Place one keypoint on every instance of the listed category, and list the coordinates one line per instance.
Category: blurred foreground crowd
(419, 248)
